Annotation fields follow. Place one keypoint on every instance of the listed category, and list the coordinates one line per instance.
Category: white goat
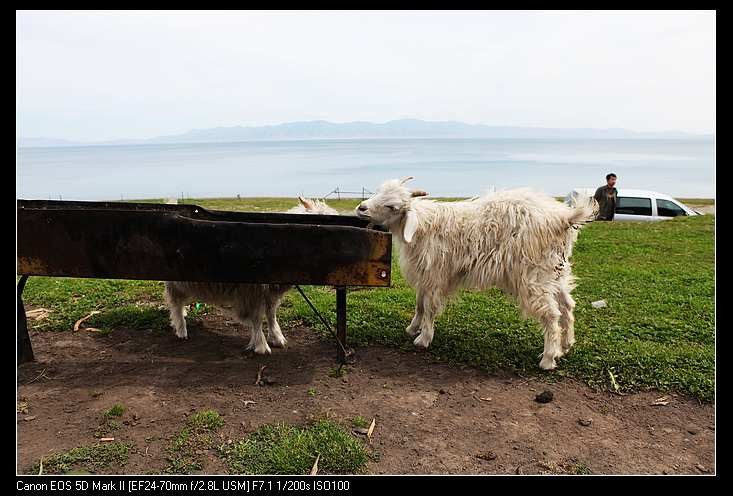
(518, 240)
(249, 302)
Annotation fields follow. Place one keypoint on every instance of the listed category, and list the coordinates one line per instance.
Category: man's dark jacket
(606, 198)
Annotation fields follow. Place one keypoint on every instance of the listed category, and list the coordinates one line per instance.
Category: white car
(639, 204)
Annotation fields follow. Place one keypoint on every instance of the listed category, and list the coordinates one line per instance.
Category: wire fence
(338, 192)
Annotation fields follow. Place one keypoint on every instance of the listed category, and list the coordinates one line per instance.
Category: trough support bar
(341, 349)
(25, 349)
(341, 323)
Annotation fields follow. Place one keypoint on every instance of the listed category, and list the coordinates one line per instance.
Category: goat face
(390, 206)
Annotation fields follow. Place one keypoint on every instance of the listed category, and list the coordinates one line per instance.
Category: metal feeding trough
(116, 240)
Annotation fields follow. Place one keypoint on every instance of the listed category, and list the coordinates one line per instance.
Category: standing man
(606, 198)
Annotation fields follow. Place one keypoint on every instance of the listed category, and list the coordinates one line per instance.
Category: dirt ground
(430, 418)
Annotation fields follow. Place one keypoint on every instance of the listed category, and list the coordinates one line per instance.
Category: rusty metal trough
(117, 240)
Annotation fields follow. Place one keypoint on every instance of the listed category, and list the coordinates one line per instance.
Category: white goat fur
(517, 240)
(249, 302)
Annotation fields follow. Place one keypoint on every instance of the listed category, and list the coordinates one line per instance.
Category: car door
(633, 208)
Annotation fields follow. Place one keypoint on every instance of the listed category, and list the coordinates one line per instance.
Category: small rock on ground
(544, 397)
(490, 455)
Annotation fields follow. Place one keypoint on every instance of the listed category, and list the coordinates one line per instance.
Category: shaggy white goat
(518, 240)
(249, 302)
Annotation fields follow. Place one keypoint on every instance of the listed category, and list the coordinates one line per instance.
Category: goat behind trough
(250, 302)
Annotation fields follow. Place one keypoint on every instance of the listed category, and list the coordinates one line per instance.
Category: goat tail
(583, 210)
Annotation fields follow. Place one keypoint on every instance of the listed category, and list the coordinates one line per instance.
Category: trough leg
(341, 322)
(25, 350)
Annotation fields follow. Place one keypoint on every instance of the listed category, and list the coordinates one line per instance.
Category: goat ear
(405, 179)
(419, 192)
(308, 204)
(410, 226)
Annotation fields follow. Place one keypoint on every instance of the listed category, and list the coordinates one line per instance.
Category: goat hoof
(263, 350)
(182, 335)
(278, 343)
(547, 363)
(421, 341)
(412, 332)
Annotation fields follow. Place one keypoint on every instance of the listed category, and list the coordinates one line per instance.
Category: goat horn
(305, 202)
(419, 192)
(405, 179)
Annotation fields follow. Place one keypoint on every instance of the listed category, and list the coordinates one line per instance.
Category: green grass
(360, 421)
(85, 459)
(123, 303)
(106, 427)
(336, 372)
(114, 411)
(658, 330)
(108, 423)
(287, 449)
(580, 468)
(197, 435)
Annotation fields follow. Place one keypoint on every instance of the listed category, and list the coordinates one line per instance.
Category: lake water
(443, 167)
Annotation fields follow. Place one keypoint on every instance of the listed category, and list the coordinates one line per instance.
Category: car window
(633, 205)
(666, 208)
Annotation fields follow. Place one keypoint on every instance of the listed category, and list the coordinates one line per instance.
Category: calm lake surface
(443, 167)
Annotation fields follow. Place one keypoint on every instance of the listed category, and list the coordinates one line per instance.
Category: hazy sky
(106, 75)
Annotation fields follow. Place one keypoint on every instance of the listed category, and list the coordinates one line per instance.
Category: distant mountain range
(404, 128)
